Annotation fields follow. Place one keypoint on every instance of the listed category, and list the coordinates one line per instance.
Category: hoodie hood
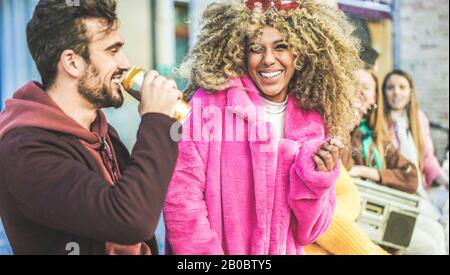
(32, 107)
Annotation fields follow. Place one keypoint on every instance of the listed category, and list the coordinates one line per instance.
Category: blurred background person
(376, 159)
(410, 128)
(345, 237)
(410, 132)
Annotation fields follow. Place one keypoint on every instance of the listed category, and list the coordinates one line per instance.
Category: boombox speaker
(388, 216)
(399, 229)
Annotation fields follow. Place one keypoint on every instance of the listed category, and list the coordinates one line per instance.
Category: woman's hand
(365, 173)
(329, 155)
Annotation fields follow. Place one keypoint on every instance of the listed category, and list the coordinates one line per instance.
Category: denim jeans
(5, 248)
(161, 235)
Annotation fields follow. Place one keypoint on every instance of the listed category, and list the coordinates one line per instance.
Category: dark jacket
(52, 193)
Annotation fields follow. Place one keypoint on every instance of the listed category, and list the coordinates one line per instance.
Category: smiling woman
(271, 64)
(284, 77)
(317, 36)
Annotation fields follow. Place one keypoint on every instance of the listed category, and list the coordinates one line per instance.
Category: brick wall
(424, 52)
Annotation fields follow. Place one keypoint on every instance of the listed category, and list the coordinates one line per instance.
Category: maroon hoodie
(32, 107)
(28, 128)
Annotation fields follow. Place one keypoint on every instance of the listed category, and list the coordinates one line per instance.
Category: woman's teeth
(270, 75)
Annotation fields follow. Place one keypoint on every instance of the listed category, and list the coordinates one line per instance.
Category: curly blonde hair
(319, 36)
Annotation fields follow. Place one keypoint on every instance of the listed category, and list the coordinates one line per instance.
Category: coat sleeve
(185, 212)
(431, 166)
(312, 194)
(57, 191)
(399, 173)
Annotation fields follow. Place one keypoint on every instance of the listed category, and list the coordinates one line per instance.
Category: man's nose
(124, 62)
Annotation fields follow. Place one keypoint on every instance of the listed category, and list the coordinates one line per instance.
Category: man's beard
(97, 92)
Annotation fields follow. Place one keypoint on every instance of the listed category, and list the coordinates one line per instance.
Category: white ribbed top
(275, 113)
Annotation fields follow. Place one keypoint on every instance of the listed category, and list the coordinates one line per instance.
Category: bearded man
(67, 183)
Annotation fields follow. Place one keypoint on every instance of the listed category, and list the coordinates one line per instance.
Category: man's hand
(159, 95)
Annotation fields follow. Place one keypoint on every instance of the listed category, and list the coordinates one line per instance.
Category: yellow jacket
(345, 237)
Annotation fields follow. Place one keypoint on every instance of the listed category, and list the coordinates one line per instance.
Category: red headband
(265, 5)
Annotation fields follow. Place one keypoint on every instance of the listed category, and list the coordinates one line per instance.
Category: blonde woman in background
(345, 237)
(410, 132)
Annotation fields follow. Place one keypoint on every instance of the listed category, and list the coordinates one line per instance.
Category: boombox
(388, 216)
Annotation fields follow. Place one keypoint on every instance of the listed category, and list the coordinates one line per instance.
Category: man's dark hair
(362, 32)
(57, 25)
(369, 55)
